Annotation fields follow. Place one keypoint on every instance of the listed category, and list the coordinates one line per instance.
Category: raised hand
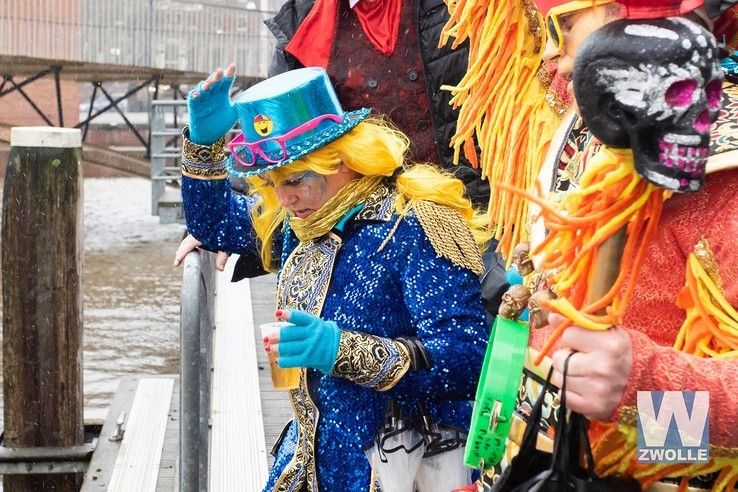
(210, 109)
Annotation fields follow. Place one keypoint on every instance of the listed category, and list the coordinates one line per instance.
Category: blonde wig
(372, 148)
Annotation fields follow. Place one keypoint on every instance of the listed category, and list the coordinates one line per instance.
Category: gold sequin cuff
(371, 361)
(203, 161)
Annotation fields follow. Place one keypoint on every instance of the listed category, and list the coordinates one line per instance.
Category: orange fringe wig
(502, 101)
(611, 196)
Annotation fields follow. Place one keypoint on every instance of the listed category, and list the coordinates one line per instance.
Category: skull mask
(654, 86)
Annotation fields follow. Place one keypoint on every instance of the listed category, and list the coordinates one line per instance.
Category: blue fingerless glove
(312, 342)
(211, 113)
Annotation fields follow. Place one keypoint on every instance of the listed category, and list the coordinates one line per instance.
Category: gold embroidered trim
(202, 154)
(214, 172)
(203, 161)
(301, 468)
(371, 361)
(303, 284)
(306, 275)
(449, 235)
(380, 204)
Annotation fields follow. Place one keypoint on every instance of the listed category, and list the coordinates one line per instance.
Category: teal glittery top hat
(286, 117)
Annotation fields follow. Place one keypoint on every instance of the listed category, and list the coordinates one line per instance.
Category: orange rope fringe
(710, 329)
(502, 104)
(611, 196)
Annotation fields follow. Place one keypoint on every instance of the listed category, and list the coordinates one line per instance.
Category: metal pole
(42, 238)
(189, 374)
(57, 84)
(207, 304)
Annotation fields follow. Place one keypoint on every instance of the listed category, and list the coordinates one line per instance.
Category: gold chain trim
(202, 154)
(449, 234)
(371, 361)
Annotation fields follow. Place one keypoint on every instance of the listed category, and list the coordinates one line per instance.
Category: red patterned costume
(654, 320)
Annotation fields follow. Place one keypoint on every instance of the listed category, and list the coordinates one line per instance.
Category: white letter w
(656, 427)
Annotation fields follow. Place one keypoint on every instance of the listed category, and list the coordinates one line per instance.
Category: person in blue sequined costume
(394, 275)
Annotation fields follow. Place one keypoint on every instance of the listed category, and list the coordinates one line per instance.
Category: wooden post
(42, 246)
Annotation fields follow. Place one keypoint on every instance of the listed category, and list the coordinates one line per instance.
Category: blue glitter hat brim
(295, 152)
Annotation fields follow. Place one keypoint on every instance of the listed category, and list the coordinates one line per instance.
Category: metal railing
(196, 348)
(167, 34)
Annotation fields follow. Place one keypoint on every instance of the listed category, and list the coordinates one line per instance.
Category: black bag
(537, 471)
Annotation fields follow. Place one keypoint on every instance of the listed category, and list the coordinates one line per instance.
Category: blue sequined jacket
(382, 277)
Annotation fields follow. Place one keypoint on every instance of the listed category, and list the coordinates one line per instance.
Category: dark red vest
(394, 85)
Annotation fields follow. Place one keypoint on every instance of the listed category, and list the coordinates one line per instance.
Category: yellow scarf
(320, 222)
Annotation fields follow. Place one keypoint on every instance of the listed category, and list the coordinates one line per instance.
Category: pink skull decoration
(654, 86)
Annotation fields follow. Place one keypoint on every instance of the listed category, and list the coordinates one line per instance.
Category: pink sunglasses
(251, 150)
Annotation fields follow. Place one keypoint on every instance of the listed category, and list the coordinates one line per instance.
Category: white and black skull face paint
(654, 86)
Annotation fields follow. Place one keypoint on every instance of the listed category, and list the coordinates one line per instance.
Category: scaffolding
(151, 44)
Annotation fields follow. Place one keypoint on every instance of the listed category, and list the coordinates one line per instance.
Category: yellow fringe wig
(502, 101)
(373, 148)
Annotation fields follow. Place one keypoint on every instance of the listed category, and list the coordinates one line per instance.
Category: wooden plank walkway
(247, 413)
(109, 455)
(237, 446)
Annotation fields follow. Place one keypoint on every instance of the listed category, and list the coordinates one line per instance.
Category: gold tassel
(449, 234)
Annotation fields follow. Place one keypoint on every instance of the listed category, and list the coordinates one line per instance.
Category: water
(131, 291)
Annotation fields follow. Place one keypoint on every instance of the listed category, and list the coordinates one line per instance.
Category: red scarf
(313, 42)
